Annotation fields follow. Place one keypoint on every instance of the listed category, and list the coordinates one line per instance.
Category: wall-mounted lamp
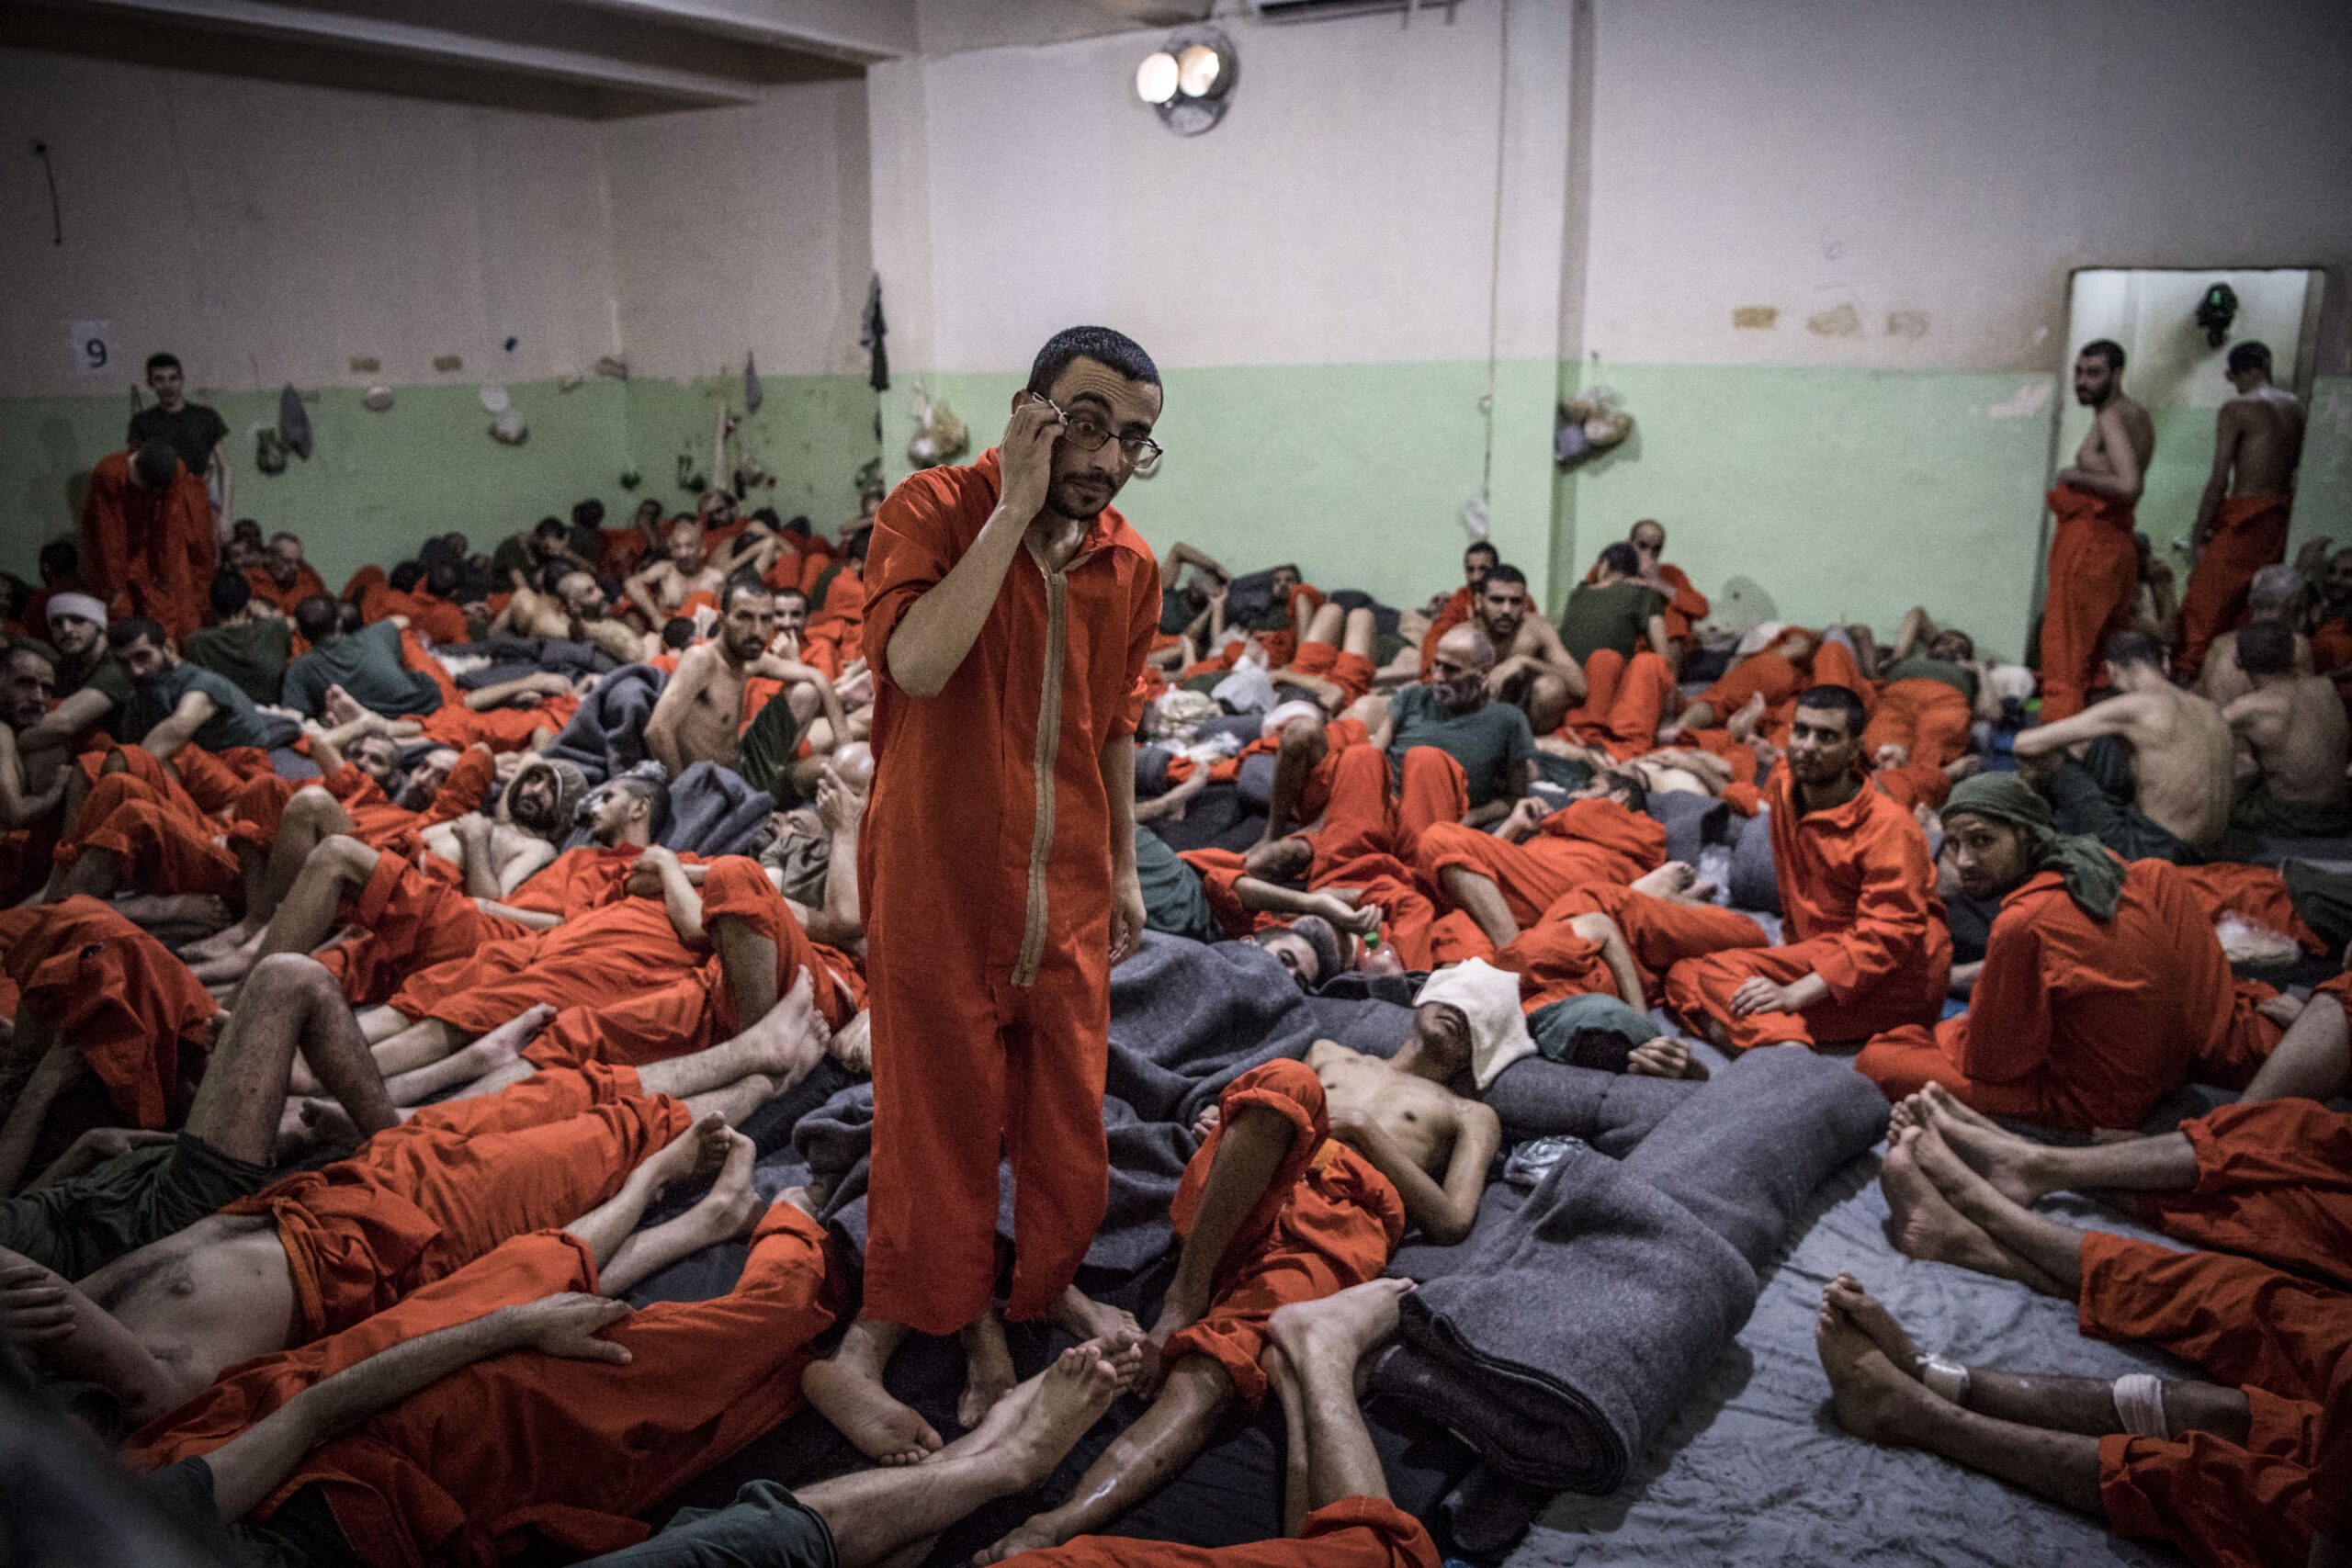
(1189, 79)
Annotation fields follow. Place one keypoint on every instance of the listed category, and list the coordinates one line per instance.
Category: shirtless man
(2181, 762)
(1532, 669)
(496, 854)
(31, 785)
(2276, 594)
(661, 589)
(2293, 724)
(699, 717)
(2094, 566)
(1428, 1147)
(569, 605)
(2242, 518)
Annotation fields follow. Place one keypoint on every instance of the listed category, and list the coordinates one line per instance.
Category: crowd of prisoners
(357, 1026)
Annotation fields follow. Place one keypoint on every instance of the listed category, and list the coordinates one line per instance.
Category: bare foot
(199, 913)
(853, 1047)
(1338, 1329)
(987, 1370)
(1911, 1111)
(2002, 1158)
(1966, 766)
(246, 930)
(847, 1390)
(1672, 880)
(1082, 1317)
(505, 1042)
(339, 707)
(1069, 1398)
(732, 1207)
(1845, 1296)
(1922, 1222)
(696, 1155)
(1870, 1396)
(1751, 713)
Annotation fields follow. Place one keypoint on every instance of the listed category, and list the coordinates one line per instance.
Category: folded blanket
(1570, 1329)
(713, 812)
(607, 735)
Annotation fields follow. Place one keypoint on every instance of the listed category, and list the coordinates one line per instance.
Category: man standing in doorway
(2094, 566)
(1008, 615)
(196, 430)
(2241, 518)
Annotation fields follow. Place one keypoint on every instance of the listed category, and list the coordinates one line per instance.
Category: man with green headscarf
(2104, 987)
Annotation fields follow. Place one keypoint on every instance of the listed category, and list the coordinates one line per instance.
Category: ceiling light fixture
(1189, 79)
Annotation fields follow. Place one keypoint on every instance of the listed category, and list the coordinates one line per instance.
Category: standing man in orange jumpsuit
(147, 544)
(2094, 566)
(2242, 518)
(1009, 613)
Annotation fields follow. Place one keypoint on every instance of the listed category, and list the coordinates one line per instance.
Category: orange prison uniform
(1661, 932)
(697, 1009)
(375, 820)
(2258, 893)
(119, 998)
(1585, 841)
(1327, 1219)
(436, 618)
(1684, 609)
(1407, 918)
(600, 958)
(577, 1449)
(2286, 1343)
(1451, 614)
(149, 552)
(2274, 1181)
(983, 872)
(1932, 721)
(308, 584)
(1354, 1532)
(166, 844)
(1858, 893)
(1352, 673)
(837, 598)
(420, 1201)
(1316, 798)
(1362, 818)
(2076, 1022)
(1625, 700)
(2249, 533)
(2094, 571)
(503, 729)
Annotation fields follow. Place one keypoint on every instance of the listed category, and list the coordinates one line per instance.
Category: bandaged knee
(2139, 1405)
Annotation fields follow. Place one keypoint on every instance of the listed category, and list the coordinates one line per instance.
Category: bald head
(2273, 594)
(854, 763)
(1469, 645)
(1458, 668)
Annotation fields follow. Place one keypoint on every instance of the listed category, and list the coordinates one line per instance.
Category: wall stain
(1906, 324)
(1843, 321)
(1754, 315)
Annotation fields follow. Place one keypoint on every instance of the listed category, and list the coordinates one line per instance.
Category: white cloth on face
(1488, 998)
(1282, 712)
(80, 604)
(1248, 690)
(1759, 637)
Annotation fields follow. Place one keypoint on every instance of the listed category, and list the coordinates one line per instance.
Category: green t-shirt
(194, 431)
(368, 665)
(233, 721)
(1175, 899)
(1488, 741)
(107, 676)
(1919, 666)
(253, 654)
(1609, 614)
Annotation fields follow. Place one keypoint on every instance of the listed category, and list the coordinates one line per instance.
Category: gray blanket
(1565, 1333)
(714, 812)
(607, 735)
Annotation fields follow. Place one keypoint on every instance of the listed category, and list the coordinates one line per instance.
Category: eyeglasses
(1088, 433)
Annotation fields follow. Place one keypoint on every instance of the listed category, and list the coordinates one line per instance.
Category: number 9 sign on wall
(93, 348)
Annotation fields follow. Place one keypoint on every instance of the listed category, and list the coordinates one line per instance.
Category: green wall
(1805, 494)
(377, 484)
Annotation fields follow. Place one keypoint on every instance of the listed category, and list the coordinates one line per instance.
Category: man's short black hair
(1630, 785)
(1113, 350)
(746, 581)
(1500, 572)
(405, 576)
(2104, 348)
(61, 557)
(231, 592)
(316, 618)
(652, 790)
(2249, 355)
(162, 362)
(796, 523)
(855, 546)
(588, 513)
(784, 593)
(125, 632)
(155, 462)
(1845, 699)
(1622, 558)
(552, 528)
(2266, 648)
(676, 632)
(441, 577)
(2132, 646)
(1483, 548)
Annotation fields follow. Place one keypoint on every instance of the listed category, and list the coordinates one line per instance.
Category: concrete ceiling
(597, 58)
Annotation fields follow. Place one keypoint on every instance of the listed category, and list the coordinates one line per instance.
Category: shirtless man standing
(1532, 669)
(661, 589)
(700, 715)
(2242, 518)
(1427, 1148)
(2181, 762)
(2292, 723)
(2094, 565)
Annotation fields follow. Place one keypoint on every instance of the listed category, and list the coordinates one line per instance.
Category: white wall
(2167, 363)
(270, 234)
(743, 230)
(1955, 160)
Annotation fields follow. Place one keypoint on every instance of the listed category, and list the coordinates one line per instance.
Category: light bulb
(1197, 70)
(1156, 78)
